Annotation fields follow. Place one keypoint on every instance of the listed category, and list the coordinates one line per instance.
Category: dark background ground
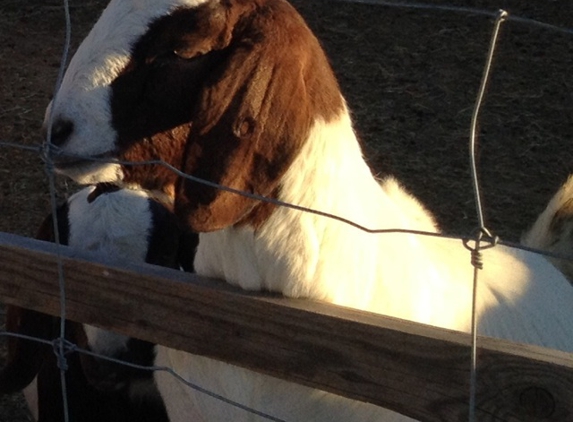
(410, 77)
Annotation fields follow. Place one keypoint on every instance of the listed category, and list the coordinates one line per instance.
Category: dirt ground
(410, 77)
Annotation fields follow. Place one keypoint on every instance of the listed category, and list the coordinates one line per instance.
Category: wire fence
(481, 239)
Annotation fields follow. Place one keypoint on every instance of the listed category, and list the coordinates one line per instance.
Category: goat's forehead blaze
(84, 97)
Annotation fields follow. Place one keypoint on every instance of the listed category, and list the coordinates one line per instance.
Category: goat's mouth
(63, 162)
(87, 169)
(69, 164)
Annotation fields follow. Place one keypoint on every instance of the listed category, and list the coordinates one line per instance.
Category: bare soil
(410, 77)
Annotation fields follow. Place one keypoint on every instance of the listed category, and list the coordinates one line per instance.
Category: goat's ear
(46, 230)
(25, 357)
(253, 114)
(188, 242)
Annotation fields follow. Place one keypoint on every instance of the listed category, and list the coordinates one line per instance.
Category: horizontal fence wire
(48, 150)
(462, 237)
(463, 10)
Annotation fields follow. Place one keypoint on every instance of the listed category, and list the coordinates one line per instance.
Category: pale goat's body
(422, 279)
(122, 225)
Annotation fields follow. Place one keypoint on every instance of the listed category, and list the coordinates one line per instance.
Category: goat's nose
(61, 131)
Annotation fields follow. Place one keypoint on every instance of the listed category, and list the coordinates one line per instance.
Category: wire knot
(62, 348)
(484, 236)
(46, 152)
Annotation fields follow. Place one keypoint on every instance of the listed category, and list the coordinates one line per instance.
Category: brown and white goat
(240, 93)
(553, 229)
(123, 224)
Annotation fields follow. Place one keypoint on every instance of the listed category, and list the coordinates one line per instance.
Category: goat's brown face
(223, 90)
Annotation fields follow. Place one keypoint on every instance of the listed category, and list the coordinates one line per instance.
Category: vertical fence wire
(61, 347)
(482, 230)
(59, 344)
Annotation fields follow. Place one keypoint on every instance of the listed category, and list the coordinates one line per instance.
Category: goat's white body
(279, 399)
(429, 280)
(116, 227)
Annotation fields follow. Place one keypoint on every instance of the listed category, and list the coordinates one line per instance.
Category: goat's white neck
(306, 255)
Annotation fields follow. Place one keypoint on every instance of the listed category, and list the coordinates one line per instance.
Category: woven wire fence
(482, 237)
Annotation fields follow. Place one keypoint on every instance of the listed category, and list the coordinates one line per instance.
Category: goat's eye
(176, 54)
(162, 58)
(189, 53)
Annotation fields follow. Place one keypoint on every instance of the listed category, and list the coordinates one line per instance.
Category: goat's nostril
(61, 131)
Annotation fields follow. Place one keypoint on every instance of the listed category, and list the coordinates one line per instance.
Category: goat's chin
(89, 172)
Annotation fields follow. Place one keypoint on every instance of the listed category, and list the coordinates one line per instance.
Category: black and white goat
(123, 224)
(239, 92)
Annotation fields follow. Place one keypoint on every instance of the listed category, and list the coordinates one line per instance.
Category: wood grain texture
(418, 370)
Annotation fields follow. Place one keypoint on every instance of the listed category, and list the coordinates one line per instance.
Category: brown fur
(246, 81)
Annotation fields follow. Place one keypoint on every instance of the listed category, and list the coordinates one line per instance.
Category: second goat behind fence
(126, 225)
(240, 93)
(553, 229)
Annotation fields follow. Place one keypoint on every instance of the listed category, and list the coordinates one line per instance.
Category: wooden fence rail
(417, 370)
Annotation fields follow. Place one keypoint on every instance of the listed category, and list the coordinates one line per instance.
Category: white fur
(105, 342)
(94, 172)
(115, 225)
(553, 229)
(424, 279)
(84, 96)
(31, 397)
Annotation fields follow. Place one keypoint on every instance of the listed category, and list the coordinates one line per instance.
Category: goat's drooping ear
(25, 357)
(254, 113)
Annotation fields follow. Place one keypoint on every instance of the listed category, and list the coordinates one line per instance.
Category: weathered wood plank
(417, 370)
